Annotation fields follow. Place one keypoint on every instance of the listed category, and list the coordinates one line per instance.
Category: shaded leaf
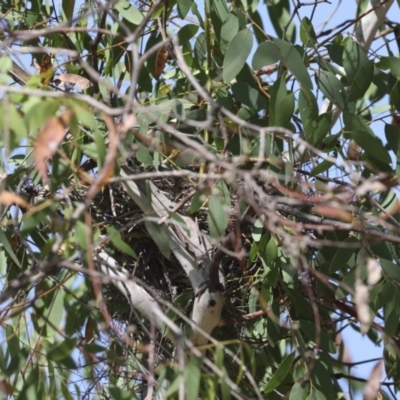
(281, 373)
(332, 88)
(354, 58)
(160, 235)
(307, 33)
(372, 146)
(248, 96)
(361, 81)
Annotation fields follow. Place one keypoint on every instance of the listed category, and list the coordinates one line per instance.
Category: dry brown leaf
(6, 388)
(354, 151)
(374, 271)
(89, 331)
(161, 61)
(109, 162)
(77, 80)
(333, 212)
(339, 343)
(49, 138)
(46, 69)
(374, 382)
(9, 198)
(361, 298)
(396, 121)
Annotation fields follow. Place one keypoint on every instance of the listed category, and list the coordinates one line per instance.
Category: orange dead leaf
(354, 151)
(333, 212)
(115, 134)
(77, 80)
(89, 331)
(46, 69)
(9, 198)
(161, 60)
(108, 168)
(6, 388)
(48, 140)
(396, 121)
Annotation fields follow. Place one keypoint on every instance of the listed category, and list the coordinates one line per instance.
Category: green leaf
(229, 29)
(55, 313)
(393, 64)
(129, 12)
(236, 55)
(198, 200)
(187, 32)
(316, 395)
(307, 33)
(279, 13)
(372, 146)
(267, 53)
(354, 57)
(101, 149)
(218, 210)
(354, 122)
(391, 269)
(343, 255)
(13, 348)
(40, 113)
(361, 81)
(321, 167)
(61, 350)
(121, 394)
(192, 377)
(392, 135)
(248, 96)
(219, 13)
(308, 107)
(5, 63)
(7, 247)
(81, 234)
(281, 373)
(325, 343)
(160, 235)
(184, 7)
(271, 250)
(332, 88)
(284, 110)
(200, 49)
(297, 392)
(257, 230)
(316, 130)
(119, 243)
(68, 9)
(294, 63)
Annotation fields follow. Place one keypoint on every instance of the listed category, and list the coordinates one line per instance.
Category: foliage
(174, 165)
